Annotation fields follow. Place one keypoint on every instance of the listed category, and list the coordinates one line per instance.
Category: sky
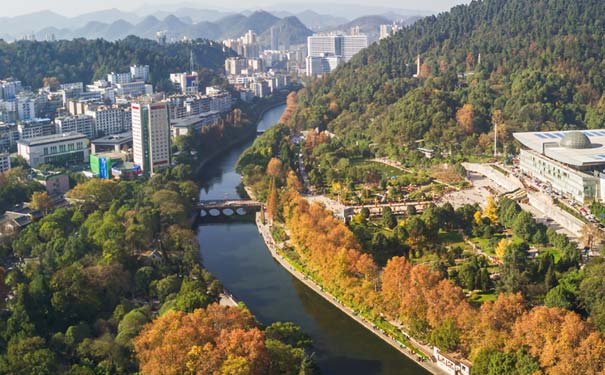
(76, 7)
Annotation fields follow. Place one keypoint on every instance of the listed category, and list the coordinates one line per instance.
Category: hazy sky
(75, 7)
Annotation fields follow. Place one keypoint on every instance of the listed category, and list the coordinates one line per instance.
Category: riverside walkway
(265, 233)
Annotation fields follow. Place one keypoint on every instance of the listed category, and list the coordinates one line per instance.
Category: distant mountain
(105, 16)
(317, 22)
(196, 15)
(369, 25)
(30, 23)
(290, 31)
(347, 11)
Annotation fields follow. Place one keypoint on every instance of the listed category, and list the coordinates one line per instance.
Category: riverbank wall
(265, 232)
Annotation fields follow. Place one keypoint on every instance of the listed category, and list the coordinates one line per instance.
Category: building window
(45, 150)
(62, 148)
(70, 147)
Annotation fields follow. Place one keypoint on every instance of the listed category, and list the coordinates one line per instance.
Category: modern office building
(76, 124)
(5, 162)
(571, 163)
(151, 136)
(320, 65)
(62, 149)
(345, 46)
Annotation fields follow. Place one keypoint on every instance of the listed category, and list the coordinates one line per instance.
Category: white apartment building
(119, 78)
(140, 73)
(26, 108)
(353, 44)
(5, 162)
(151, 136)
(66, 148)
(235, 65)
(10, 88)
(133, 89)
(187, 83)
(35, 128)
(76, 124)
(109, 120)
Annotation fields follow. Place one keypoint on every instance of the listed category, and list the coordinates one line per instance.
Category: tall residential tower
(151, 136)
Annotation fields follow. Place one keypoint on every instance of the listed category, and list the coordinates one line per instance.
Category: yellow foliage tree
(491, 211)
(501, 248)
(477, 216)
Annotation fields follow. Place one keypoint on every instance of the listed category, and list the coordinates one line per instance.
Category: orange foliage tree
(211, 341)
(466, 118)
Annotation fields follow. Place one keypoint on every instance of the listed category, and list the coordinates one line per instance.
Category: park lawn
(383, 169)
(481, 297)
(452, 238)
(556, 253)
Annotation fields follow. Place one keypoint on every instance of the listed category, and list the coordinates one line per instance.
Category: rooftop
(114, 139)
(578, 148)
(52, 138)
(188, 121)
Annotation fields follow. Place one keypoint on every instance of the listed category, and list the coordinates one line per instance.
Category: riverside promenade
(265, 233)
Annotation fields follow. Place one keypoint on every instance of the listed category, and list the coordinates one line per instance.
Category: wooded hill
(82, 60)
(541, 66)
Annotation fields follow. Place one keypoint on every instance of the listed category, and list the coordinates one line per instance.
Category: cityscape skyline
(75, 8)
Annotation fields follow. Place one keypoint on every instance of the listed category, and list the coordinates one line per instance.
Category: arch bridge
(227, 207)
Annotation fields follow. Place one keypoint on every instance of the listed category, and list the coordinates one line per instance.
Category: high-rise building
(140, 73)
(151, 136)
(80, 124)
(352, 44)
(345, 46)
(320, 65)
(274, 38)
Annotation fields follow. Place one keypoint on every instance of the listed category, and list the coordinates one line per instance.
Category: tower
(151, 136)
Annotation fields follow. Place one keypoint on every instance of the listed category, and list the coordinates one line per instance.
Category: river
(237, 255)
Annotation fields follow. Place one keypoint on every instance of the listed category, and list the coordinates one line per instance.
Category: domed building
(576, 140)
(571, 163)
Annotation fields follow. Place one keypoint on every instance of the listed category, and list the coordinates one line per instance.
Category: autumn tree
(41, 201)
(293, 183)
(466, 118)
(275, 168)
(218, 340)
(491, 211)
(272, 201)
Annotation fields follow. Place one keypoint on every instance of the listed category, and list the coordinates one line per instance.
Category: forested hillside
(82, 60)
(541, 66)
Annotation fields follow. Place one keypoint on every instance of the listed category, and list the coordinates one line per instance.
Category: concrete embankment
(265, 233)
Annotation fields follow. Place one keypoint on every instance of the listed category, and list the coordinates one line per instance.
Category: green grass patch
(481, 297)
